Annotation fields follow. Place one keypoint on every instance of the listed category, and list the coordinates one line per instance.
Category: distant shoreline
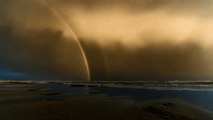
(206, 85)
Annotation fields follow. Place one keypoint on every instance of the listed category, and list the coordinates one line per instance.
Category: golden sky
(122, 39)
(136, 22)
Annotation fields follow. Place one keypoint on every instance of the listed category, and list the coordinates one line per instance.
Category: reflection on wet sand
(37, 102)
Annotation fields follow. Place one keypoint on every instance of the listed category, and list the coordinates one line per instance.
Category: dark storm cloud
(165, 42)
(26, 14)
(154, 61)
(32, 41)
(47, 53)
(44, 52)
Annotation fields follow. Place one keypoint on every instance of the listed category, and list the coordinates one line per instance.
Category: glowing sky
(135, 22)
(122, 39)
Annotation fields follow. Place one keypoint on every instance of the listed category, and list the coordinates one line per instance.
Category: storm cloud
(43, 52)
(139, 5)
(136, 22)
(151, 62)
(122, 39)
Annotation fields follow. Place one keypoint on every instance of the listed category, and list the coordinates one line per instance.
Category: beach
(33, 102)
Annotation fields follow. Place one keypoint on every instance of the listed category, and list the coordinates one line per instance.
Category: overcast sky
(122, 39)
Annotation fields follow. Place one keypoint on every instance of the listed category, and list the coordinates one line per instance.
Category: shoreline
(24, 101)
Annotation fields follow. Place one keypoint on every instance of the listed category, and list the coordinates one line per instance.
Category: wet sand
(29, 102)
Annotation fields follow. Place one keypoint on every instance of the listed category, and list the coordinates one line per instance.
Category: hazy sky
(122, 39)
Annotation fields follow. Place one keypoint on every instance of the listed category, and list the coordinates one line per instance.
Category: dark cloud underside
(155, 61)
(43, 52)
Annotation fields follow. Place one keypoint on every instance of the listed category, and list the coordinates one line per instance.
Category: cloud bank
(123, 39)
